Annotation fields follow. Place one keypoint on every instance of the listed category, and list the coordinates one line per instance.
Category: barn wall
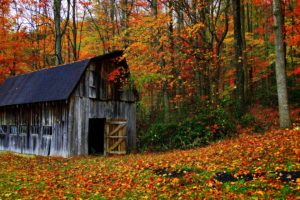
(90, 102)
(35, 129)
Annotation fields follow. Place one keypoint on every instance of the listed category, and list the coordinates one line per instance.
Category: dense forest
(199, 65)
(218, 89)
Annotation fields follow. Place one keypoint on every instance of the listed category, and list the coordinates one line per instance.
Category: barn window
(47, 130)
(46, 116)
(93, 84)
(103, 89)
(23, 129)
(13, 129)
(35, 129)
(3, 129)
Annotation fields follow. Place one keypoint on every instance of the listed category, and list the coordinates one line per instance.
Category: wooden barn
(76, 109)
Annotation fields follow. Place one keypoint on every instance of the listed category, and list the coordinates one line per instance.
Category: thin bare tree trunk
(59, 32)
(74, 31)
(112, 21)
(220, 71)
(284, 115)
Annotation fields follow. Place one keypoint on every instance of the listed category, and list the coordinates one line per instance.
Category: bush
(201, 129)
(247, 120)
(156, 136)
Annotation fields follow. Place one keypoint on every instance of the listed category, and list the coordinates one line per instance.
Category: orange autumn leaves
(133, 176)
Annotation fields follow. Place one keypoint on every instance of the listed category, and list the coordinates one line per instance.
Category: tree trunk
(112, 21)
(220, 70)
(284, 115)
(266, 44)
(238, 56)
(245, 59)
(124, 22)
(59, 32)
(74, 31)
(250, 67)
(153, 5)
(57, 18)
(180, 25)
(196, 49)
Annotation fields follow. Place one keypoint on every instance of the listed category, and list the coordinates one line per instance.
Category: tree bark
(284, 115)
(112, 21)
(220, 70)
(74, 31)
(238, 56)
(245, 59)
(124, 21)
(250, 67)
(153, 5)
(59, 32)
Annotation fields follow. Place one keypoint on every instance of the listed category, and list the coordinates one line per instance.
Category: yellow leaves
(133, 177)
(296, 128)
(297, 151)
(145, 197)
(163, 39)
(210, 183)
(260, 192)
(7, 195)
(229, 40)
(195, 29)
(175, 181)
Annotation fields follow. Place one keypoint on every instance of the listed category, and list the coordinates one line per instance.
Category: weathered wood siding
(62, 128)
(94, 99)
(35, 129)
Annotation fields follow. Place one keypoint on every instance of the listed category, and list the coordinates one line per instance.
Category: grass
(134, 177)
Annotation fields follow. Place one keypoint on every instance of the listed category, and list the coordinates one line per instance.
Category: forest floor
(252, 165)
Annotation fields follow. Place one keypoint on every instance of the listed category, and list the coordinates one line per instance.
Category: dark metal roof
(54, 84)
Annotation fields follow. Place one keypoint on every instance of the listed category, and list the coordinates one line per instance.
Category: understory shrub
(247, 120)
(252, 122)
(201, 129)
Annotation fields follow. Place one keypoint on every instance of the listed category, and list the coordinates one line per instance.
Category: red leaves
(85, 3)
(133, 176)
(295, 72)
(114, 75)
(231, 81)
(215, 128)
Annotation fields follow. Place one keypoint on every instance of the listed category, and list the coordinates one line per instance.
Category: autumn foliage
(152, 176)
(171, 48)
(180, 55)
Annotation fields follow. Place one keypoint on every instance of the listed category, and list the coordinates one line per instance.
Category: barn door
(115, 137)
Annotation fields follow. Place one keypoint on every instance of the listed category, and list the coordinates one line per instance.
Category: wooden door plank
(115, 137)
(116, 144)
(117, 129)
